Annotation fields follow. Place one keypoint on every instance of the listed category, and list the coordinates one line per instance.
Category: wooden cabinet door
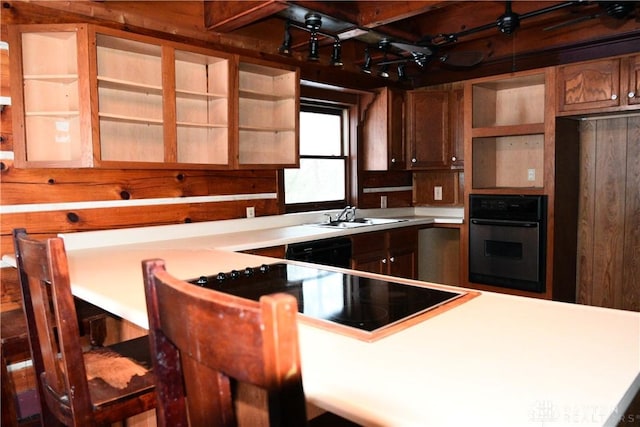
(368, 251)
(403, 263)
(589, 85)
(456, 123)
(383, 132)
(403, 252)
(371, 263)
(633, 91)
(428, 129)
(395, 119)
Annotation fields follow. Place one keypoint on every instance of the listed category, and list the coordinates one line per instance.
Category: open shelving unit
(508, 133)
(130, 100)
(51, 78)
(268, 116)
(202, 108)
(90, 96)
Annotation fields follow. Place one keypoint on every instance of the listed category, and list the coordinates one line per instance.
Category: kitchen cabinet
(515, 144)
(508, 131)
(392, 252)
(88, 96)
(383, 131)
(268, 115)
(435, 128)
(611, 84)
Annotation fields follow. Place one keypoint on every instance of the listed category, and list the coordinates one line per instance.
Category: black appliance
(334, 251)
(507, 240)
(347, 299)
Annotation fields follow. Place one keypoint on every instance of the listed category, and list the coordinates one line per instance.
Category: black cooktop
(347, 299)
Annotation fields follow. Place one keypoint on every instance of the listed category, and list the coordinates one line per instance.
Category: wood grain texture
(609, 213)
(631, 267)
(586, 212)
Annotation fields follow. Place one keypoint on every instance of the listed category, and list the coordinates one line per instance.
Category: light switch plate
(383, 202)
(531, 174)
(251, 211)
(437, 192)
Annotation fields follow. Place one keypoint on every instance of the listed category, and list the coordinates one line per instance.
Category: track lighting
(401, 72)
(314, 46)
(312, 24)
(336, 55)
(285, 49)
(366, 68)
(384, 71)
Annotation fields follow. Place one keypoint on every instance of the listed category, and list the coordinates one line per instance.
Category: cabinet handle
(392, 259)
(614, 96)
(454, 158)
(393, 160)
(384, 260)
(631, 94)
(413, 160)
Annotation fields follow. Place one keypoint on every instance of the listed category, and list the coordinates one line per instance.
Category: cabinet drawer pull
(413, 160)
(392, 259)
(614, 96)
(384, 260)
(454, 158)
(631, 94)
(393, 160)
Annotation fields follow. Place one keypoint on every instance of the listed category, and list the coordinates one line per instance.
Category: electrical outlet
(531, 174)
(251, 211)
(383, 202)
(437, 192)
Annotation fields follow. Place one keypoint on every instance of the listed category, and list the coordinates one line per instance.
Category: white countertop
(497, 360)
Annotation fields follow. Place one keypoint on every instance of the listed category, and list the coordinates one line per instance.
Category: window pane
(320, 134)
(317, 180)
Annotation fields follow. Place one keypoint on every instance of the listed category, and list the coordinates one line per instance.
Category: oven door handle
(505, 223)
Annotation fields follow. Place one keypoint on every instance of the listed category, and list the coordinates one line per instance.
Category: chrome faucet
(347, 214)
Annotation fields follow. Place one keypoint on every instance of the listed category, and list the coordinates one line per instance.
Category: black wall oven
(507, 241)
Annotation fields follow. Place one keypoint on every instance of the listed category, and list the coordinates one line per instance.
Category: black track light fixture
(285, 48)
(402, 75)
(312, 24)
(366, 68)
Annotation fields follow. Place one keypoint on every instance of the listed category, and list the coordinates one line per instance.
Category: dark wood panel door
(608, 271)
(428, 129)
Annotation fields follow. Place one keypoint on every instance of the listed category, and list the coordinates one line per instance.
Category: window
(321, 180)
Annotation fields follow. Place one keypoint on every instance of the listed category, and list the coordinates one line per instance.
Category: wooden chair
(202, 340)
(98, 387)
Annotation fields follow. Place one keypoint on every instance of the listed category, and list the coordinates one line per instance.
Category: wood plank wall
(609, 213)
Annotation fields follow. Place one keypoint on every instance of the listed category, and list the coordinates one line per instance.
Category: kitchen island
(496, 360)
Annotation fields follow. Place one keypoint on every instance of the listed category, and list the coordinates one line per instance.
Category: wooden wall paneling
(586, 212)
(608, 224)
(377, 181)
(424, 183)
(631, 265)
(64, 221)
(22, 186)
(609, 211)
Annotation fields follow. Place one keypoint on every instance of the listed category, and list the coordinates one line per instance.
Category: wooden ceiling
(575, 31)
(583, 30)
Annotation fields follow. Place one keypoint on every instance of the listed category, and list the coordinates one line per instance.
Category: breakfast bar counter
(495, 360)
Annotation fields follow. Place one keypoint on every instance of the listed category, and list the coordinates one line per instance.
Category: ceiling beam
(226, 16)
(372, 14)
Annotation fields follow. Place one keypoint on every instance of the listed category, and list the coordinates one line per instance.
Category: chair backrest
(53, 326)
(201, 338)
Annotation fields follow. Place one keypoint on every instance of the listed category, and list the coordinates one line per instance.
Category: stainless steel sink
(359, 222)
